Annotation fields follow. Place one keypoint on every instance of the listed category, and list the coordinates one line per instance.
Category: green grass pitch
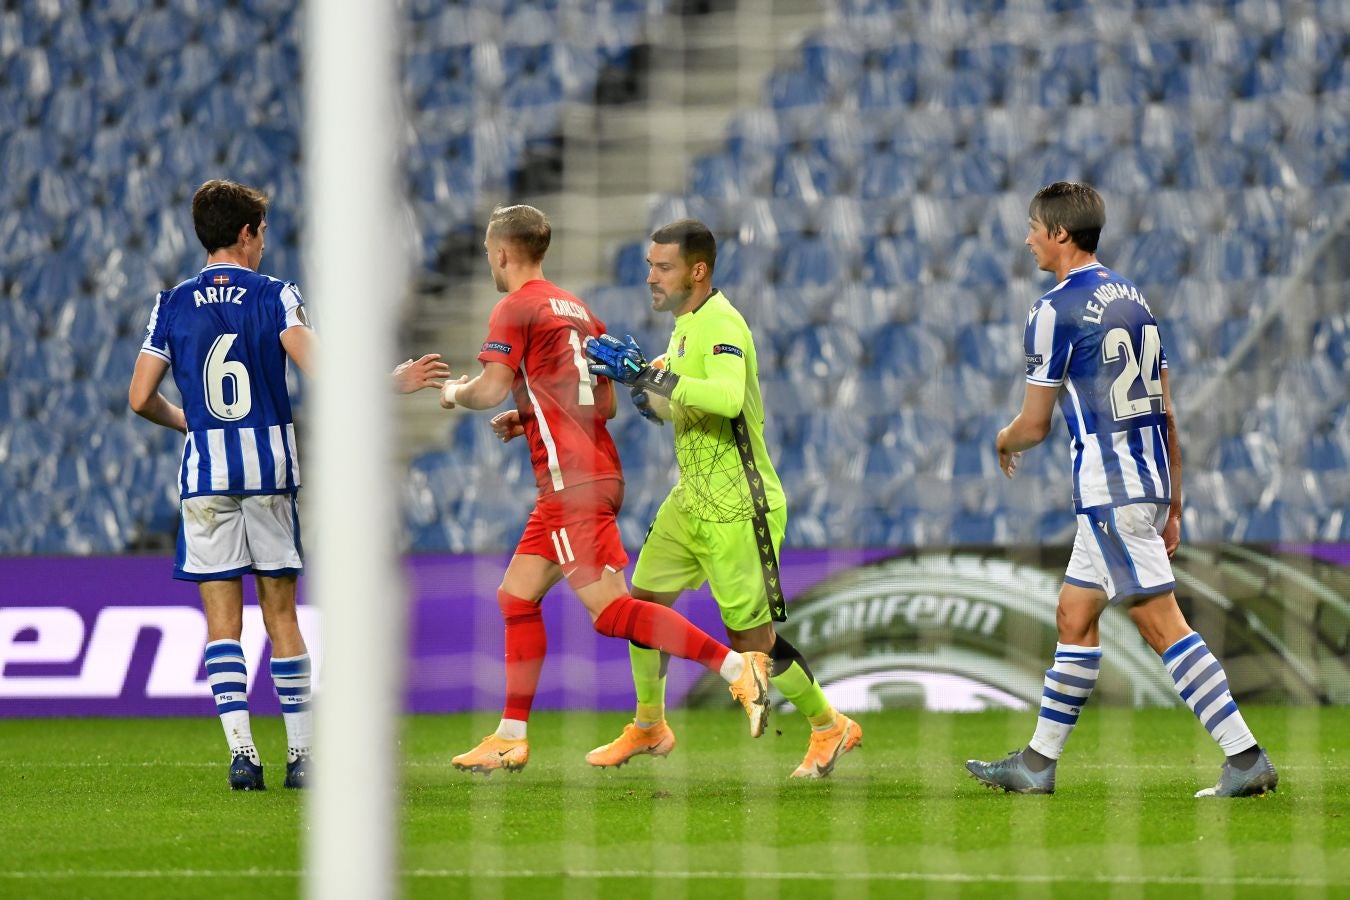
(117, 808)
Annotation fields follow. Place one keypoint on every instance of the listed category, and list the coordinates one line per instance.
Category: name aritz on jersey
(569, 308)
(232, 294)
(1107, 293)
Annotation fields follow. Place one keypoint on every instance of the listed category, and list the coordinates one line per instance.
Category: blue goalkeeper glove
(644, 406)
(622, 361)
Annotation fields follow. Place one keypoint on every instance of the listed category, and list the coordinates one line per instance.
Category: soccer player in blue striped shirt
(227, 334)
(1092, 346)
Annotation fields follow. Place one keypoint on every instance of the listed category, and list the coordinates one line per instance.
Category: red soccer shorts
(578, 529)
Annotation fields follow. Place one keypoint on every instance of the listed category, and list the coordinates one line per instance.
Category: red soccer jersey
(539, 331)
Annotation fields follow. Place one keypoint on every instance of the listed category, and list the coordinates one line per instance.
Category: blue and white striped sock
(1068, 684)
(291, 677)
(228, 676)
(1202, 683)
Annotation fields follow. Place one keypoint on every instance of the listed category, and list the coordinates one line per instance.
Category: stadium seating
(869, 210)
(108, 120)
(1218, 145)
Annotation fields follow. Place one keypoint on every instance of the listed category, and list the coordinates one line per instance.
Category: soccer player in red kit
(534, 352)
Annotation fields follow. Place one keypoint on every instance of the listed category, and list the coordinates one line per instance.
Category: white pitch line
(627, 874)
(179, 764)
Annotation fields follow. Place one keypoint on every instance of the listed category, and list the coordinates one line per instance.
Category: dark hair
(1076, 208)
(220, 208)
(696, 241)
(524, 226)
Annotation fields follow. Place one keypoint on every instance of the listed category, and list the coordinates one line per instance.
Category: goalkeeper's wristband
(657, 381)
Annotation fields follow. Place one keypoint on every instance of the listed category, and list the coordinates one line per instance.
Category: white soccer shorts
(1120, 550)
(225, 536)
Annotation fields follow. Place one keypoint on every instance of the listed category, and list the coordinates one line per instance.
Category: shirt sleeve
(505, 342)
(1049, 343)
(292, 310)
(722, 390)
(156, 340)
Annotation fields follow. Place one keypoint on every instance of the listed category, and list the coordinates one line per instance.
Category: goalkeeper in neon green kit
(724, 520)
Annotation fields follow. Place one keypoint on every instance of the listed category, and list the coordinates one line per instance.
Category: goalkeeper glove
(623, 362)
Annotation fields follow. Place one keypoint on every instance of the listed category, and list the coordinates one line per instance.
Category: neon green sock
(805, 694)
(649, 682)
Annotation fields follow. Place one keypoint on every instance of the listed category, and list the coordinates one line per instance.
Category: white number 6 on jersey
(220, 372)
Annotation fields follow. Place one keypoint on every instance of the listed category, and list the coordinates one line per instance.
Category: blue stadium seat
(958, 89)
(907, 349)
(717, 175)
(979, 528)
(832, 60)
(1130, 171)
(810, 260)
(1155, 257)
(630, 264)
(739, 263)
(1044, 165)
(880, 89)
(796, 89)
(1274, 523)
(893, 261)
(973, 266)
(888, 174)
(1056, 526)
(803, 172)
(1116, 85)
(994, 349)
(1228, 257)
(962, 175)
(823, 353)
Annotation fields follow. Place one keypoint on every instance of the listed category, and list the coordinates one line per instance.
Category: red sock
(657, 626)
(526, 644)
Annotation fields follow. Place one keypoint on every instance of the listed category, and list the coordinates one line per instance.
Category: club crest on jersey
(727, 348)
(220, 279)
(679, 351)
(496, 347)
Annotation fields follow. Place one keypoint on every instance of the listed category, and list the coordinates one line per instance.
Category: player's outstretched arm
(412, 375)
(484, 391)
(1029, 428)
(144, 396)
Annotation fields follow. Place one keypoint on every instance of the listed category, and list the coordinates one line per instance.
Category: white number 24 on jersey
(1139, 367)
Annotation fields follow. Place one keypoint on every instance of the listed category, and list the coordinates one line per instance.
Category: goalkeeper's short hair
(695, 239)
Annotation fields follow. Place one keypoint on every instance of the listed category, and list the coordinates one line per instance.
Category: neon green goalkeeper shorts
(682, 552)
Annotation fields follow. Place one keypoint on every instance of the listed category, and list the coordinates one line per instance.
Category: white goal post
(355, 268)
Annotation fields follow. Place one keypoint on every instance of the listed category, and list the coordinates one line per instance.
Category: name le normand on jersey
(1108, 293)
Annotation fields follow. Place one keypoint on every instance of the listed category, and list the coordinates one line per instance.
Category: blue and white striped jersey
(221, 332)
(1094, 335)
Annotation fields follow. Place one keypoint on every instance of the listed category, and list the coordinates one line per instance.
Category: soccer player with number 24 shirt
(1093, 347)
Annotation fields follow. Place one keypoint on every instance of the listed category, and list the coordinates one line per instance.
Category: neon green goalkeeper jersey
(716, 399)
